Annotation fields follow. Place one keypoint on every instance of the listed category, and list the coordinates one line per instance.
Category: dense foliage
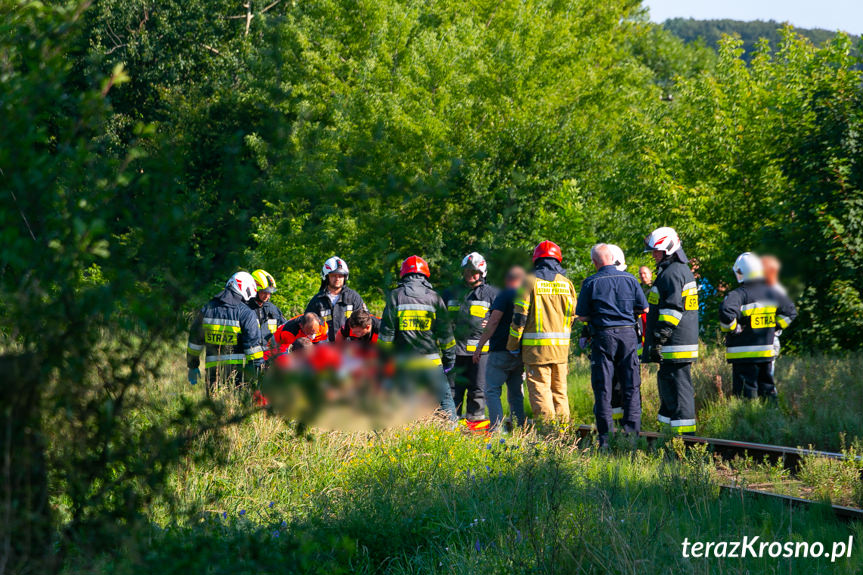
(148, 150)
(711, 32)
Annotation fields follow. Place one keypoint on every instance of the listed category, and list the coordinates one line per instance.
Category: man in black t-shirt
(504, 367)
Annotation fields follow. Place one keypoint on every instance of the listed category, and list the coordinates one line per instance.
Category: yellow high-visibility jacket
(542, 320)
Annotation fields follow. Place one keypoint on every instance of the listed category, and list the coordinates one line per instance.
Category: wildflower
(284, 523)
(242, 512)
(487, 468)
(225, 515)
(272, 503)
(276, 533)
(488, 445)
(478, 546)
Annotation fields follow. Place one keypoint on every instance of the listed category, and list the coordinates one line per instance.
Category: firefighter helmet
(475, 261)
(619, 258)
(243, 284)
(663, 239)
(335, 265)
(748, 267)
(415, 265)
(264, 281)
(547, 249)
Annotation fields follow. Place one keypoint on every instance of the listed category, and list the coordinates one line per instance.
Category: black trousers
(676, 396)
(751, 380)
(614, 359)
(468, 379)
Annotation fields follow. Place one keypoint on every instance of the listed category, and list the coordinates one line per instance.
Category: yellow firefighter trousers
(546, 386)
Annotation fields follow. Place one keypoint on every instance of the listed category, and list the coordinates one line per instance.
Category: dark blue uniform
(613, 300)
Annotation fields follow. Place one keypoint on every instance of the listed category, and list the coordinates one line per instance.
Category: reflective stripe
(679, 351)
(617, 413)
(783, 321)
(415, 306)
(689, 289)
(541, 342)
(758, 307)
(678, 425)
(326, 313)
(386, 338)
(423, 361)
(472, 343)
(728, 326)
(195, 348)
(514, 332)
(449, 344)
(547, 334)
(219, 321)
(230, 359)
(669, 316)
(479, 308)
(272, 325)
(743, 351)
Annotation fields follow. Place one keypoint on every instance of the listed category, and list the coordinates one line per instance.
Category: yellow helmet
(264, 281)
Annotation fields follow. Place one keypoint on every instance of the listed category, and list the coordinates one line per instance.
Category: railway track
(791, 458)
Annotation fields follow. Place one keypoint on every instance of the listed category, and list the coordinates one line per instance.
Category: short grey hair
(595, 251)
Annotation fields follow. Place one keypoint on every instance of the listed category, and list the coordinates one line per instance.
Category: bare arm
(490, 327)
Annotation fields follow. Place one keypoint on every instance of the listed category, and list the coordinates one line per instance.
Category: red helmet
(415, 265)
(547, 249)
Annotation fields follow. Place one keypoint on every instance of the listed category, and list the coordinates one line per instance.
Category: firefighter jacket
(750, 316)
(269, 318)
(469, 309)
(415, 322)
(228, 331)
(542, 315)
(672, 321)
(335, 315)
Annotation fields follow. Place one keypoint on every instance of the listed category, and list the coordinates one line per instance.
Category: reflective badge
(763, 320)
(653, 296)
(691, 302)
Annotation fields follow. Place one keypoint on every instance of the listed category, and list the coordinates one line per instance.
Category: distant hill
(711, 31)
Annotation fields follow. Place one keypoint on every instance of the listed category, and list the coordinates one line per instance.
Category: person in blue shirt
(610, 302)
(503, 367)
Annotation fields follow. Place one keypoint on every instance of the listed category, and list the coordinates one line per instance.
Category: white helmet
(619, 258)
(475, 261)
(748, 267)
(335, 265)
(662, 239)
(243, 284)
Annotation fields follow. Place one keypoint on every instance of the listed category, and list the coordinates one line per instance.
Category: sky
(844, 15)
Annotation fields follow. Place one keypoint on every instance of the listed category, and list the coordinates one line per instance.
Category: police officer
(610, 301)
(469, 305)
(415, 327)
(335, 302)
(228, 331)
(671, 333)
(750, 316)
(269, 315)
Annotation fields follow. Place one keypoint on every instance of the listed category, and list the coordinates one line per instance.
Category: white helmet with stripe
(619, 258)
(335, 265)
(475, 261)
(243, 283)
(748, 267)
(663, 239)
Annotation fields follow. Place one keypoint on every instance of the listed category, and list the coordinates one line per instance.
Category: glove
(194, 374)
(655, 354)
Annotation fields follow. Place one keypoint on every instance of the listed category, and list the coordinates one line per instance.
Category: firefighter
(335, 302)
(469, 305)
(542, 319)
(749, 316)
(610, 301)
(361, 327)
(416, 328)
(228, 331)
(269, 315)
(671, 333)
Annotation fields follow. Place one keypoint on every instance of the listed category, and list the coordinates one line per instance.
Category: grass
(423, 499)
